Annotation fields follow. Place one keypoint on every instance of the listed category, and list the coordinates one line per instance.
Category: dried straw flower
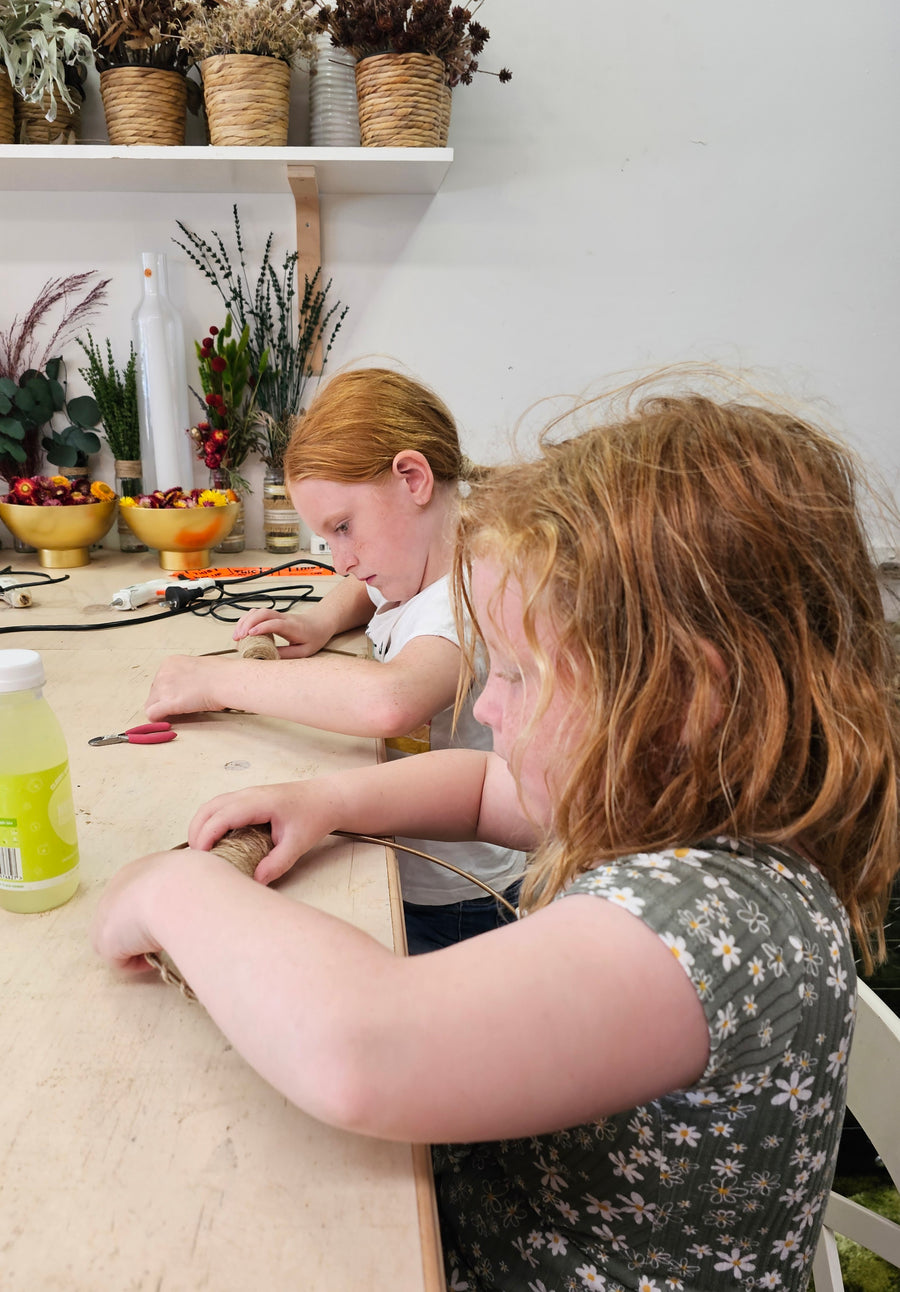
(284, 29)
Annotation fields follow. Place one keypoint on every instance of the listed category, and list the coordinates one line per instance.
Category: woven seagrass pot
(247, 100)
(32, 126)
(400, 100)
(7, 123)
(144, 105)
(444, 125)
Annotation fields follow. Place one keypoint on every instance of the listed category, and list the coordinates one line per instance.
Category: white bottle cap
(21, 670)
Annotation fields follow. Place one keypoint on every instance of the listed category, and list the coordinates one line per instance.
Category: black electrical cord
(183, 603)
(38, 578)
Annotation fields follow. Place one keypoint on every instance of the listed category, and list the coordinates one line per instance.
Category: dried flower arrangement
(231, 434)
(162, 499)
(30, 393)
(283, 29)
(44, 51)
(211, 442)
(56, 491)
(439, 27)
(136, 33)
(281, 346)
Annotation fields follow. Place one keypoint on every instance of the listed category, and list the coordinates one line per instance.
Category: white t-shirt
(393, 625)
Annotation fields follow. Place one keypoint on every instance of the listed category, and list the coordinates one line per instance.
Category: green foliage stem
(116, 394)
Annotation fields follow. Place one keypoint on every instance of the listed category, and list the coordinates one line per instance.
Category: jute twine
(127, 469)
(258, 646)
(244, 848)
(7, 121)
(32, 126)
(144, 105)
(400, 100)
(247, 100)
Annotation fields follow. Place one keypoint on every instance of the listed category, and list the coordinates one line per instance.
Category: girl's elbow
(396, 717)
(345, 1094)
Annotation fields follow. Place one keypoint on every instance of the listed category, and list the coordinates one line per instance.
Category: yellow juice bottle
(38, 844)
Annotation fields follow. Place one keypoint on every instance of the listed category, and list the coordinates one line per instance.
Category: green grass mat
(863, 1271)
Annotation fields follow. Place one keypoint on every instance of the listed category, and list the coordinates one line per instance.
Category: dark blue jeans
(428, 928)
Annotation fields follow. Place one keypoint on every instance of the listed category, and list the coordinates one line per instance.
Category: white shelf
(87, 168)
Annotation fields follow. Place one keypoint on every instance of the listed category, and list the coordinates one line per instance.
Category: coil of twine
(144, 105)
(244, 849)
(259, 646)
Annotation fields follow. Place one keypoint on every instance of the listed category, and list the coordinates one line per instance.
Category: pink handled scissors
(151, 733)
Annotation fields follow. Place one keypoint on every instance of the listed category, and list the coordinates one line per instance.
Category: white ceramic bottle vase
(162, 387)
(333, 111)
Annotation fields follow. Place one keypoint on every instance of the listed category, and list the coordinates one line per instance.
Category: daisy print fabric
(716, 1188)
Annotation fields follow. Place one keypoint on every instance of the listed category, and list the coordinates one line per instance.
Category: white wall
(712, 180)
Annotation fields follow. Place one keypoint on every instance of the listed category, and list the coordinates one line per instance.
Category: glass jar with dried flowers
(409, 58)
(288, 331)
(245, 53)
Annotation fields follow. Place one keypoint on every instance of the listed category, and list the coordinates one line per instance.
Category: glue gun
(139, 594)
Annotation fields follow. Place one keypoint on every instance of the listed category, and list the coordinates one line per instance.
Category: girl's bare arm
(357, 697)
(570, 1014)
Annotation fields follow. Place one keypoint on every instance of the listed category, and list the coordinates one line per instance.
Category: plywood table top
(137, 1149)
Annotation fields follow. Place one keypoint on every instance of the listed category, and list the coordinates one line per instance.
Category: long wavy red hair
(717, 621)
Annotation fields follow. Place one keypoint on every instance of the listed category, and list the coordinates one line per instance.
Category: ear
(412, 469)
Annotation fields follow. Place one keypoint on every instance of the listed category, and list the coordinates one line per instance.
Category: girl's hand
(300, 814)
(120, 930)
(304, 632)
(184, 684)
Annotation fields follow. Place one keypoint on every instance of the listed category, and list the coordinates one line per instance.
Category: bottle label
(38, 844)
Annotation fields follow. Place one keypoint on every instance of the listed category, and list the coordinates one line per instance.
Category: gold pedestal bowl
(183, 536)
(62, 535)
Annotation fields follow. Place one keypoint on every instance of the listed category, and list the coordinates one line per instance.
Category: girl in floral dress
(640, 1084)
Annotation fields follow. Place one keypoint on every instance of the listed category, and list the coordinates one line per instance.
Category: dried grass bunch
(284, 29)
(439, 27)
(137, 33)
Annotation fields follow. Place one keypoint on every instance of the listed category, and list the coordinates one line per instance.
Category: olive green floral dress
(720, 1186)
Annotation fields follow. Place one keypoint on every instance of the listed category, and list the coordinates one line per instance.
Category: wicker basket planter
(7, 123)
(400, 100)
(32, 126)
(144, 105)
(247, 100)
(446, 105)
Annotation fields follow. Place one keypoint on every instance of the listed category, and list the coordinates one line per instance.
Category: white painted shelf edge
(104, 168)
